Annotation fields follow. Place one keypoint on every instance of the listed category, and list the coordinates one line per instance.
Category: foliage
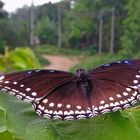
(49, 49)
(3, 13)
(43, 61)
(46, 31)
(46, 10)
(2, 46)
(81, 24)
(130, 39)
(18, 59)
(13, 33)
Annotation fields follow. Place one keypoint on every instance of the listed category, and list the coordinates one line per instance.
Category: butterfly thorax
(83, 81)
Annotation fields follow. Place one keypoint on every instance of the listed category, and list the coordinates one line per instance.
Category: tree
(3, 13)
(46, 31)
(130, 39)
(81, 24)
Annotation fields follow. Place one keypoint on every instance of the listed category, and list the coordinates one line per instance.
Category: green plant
(2, 45)
(19, 59)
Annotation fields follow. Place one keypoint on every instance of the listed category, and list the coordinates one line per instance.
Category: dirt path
(60, 62)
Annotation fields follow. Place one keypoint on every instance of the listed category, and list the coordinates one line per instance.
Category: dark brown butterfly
(63, 95)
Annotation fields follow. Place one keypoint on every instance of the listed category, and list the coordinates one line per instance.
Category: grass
(43, 61)
(49, 49)
(93, 61)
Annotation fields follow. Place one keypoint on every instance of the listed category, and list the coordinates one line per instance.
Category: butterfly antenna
(83, 60)
(73, 62)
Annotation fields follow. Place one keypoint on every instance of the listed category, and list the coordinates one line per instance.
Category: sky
(12, 5)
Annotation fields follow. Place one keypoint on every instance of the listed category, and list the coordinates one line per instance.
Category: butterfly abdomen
(86, 89)
(83, 82)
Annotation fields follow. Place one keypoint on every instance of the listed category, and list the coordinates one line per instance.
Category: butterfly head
(81, 74)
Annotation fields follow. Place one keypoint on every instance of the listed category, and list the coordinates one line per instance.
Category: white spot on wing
(135, 93)
(14, 83)
(131, 98)
(118, 95)
(66, 113)
(51, 104)
(45, 101)
(28, 97)
(137, 76)
(106, 106)
(102, 102)
(2, 77)
(15, 90)
(135, 81)
(59, 105)
(60, 112)
(127, 62)
(29, 72)
(41, 107)
(125, 93)
(128, 89)
(22, 94)
(34, 93)
(111, 98)
(78, 107)
(6, 82)
(37, 70)
(28, 89)
(101, 107)
(68, 106)
(77, 112)
(51, 70)
(71, 112)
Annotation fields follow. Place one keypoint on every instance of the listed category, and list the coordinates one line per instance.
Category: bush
(19, 59)
(2, 46)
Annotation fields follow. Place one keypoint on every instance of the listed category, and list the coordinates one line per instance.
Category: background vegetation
(79, 36)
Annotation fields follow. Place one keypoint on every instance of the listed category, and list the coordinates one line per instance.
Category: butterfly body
(63, 95)
(83, 81)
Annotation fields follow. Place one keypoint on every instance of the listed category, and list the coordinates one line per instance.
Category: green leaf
(6, 136)
(19, 59)
(18, 114)
(23, 58)
(2, 121)
(24, 123)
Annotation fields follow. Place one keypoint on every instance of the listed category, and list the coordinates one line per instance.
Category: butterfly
(63, 95)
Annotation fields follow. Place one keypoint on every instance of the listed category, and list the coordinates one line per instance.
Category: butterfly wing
(67, 102)
(54, 94)
(115, 86)
(57, 95)
(32, 85)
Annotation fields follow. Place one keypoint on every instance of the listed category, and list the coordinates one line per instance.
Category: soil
(60, 62)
